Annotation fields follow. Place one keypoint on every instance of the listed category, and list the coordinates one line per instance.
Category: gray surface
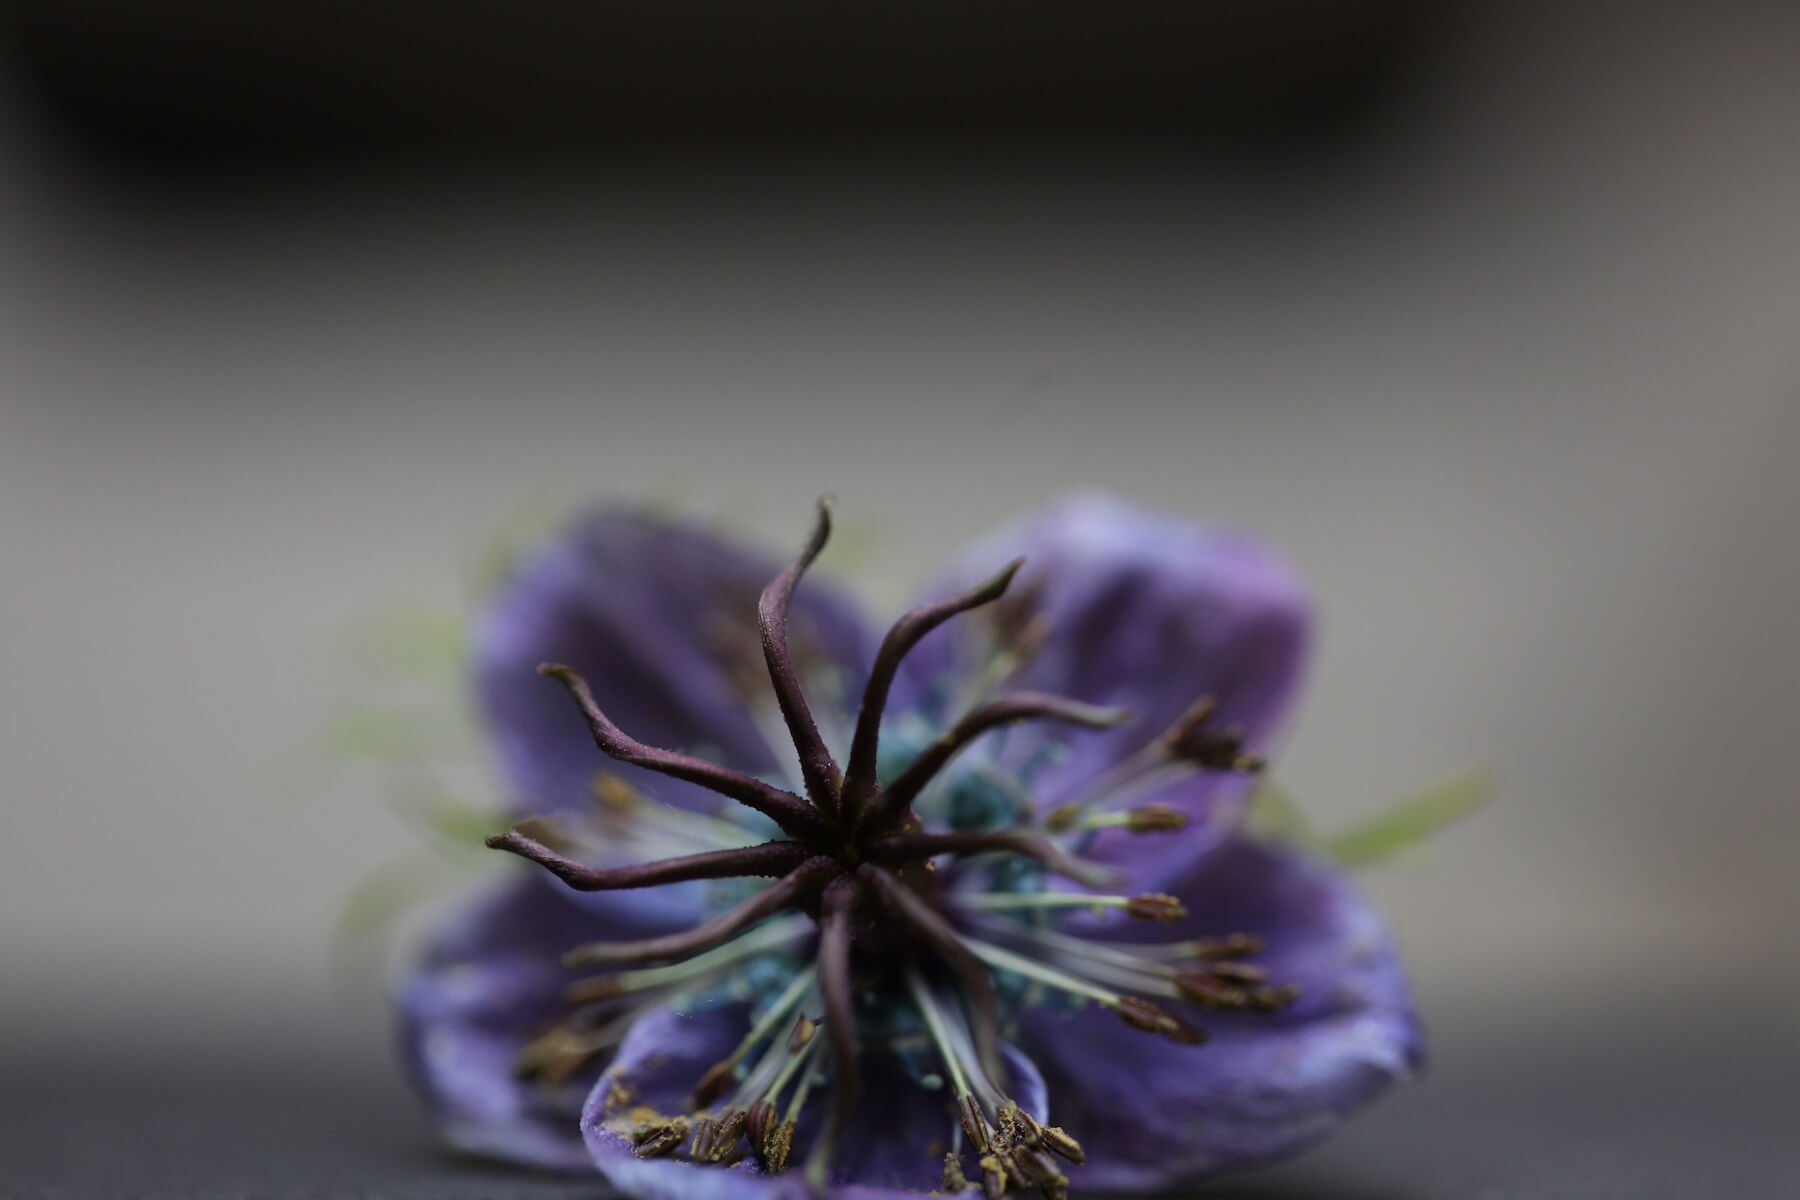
(1627, 1107)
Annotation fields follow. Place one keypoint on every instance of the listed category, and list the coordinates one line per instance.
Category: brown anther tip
(1208, 991)
(554, 670)
(1156, 906)
(1140, 1014)
(714, 1084)
(1274, 999)
(1061, 819)
(803, 1033)
(1183, 1034)
(1156, 818)
(1237, 972)
(594, 991)
(1235, 945)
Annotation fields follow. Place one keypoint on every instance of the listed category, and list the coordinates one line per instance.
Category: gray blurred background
(1505, 358)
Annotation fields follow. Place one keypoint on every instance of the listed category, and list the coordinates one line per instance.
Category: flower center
(911, 909)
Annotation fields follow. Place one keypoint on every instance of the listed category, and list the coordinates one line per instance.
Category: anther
(1062, 1144)
(974, 1126)
(778, 1144)
(726, 1134)
(657, 1138)
(1062, 819)
(1039, 1165)
(803, 1032)
(1192, 740)
(1009, 1163)
(1141, 1014)
(1274, 999)
(757, 1119)
(1156, 906)
(954, 1179)
(714, 1084)
(1155, 818)
(993, 1178)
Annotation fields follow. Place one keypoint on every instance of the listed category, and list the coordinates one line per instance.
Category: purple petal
(658, 616)
(895, 1147)
(1152, 1114)
(1148, 612)
(490, 978)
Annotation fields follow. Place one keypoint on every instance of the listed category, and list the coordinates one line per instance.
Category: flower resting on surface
(970, 908)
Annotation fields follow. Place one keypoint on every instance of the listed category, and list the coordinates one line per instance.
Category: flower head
(968, 909)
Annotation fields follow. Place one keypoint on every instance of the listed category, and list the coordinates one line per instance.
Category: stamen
(784, 893)
(621, 808)
(787, 810)
(1139, 1014)
(816, 766)
(770, 859)
(904, 847)
(976, 981)
(718, 1078)
(1192, 739)
(658, 1138)
(772, 936)
(890, 807)
(1150, 906)
(1145, 818)
(859, 772)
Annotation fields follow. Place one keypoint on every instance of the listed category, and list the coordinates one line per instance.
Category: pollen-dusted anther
(1156, 906)
(1156, 818)
(974, 1125)
(1009, 1163)
(703, 1140)
(778, 1145)
(726, 1134)
(993, 1177)
(653, 1139)
(954, 1179)
(1060, 1143)
(1194, 739)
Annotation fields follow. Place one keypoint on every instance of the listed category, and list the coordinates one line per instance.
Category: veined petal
(895, 1148)
(1146, 612)
(489, 980)
(660, 617)
(1152, 1115)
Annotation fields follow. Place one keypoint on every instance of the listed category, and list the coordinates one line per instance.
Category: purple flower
(969, 908)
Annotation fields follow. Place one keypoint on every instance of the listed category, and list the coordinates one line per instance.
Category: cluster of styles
(881, 930)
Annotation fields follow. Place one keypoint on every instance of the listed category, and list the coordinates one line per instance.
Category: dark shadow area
(203, 82)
